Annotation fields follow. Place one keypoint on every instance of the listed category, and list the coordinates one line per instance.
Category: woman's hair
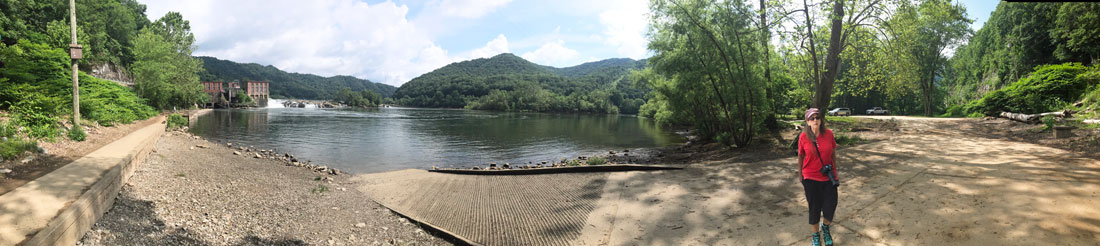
(809, 131)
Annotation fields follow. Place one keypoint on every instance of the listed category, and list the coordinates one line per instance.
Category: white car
(840, 112)
(877, 110)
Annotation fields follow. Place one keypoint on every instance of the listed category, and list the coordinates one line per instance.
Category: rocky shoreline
(190, 193)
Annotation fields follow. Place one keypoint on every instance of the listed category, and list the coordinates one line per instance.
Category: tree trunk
(813, 55)
(824, 90)
(769, 119)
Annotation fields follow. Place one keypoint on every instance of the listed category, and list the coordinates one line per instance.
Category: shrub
(1049, 88)
(13, 147)
(7, 130)
(77, 133)
(1048, 122)
(176, 121)
(596, 161)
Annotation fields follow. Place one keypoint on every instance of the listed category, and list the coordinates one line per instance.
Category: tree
(166, 74)
(930, 28)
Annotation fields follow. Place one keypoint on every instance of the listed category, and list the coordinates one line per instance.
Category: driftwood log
(1034, 118)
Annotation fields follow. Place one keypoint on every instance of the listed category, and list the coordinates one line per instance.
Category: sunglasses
(815, 118)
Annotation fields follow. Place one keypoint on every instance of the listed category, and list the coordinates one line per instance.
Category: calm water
(376, 140)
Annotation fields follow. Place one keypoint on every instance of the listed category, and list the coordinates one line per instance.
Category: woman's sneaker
(825, 233)
(817, 239)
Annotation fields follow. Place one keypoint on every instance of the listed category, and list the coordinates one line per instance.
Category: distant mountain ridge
(600, 86)
(288, 85)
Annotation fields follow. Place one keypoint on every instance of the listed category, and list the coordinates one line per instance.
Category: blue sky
(393, 41)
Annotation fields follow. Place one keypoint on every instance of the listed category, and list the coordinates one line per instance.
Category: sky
(393, 41)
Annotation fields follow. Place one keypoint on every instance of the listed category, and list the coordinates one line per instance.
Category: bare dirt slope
(934, 182)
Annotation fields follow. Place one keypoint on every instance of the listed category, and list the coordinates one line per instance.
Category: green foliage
(509, 83)
(1049, 88)
(364, 98)
(7, 130)
(37, 89)
(704, 71)
(13, 147)
(1048, 122)
(596, 160)
(166, 74)
(108, 103)
(1018, 38)
(176, 121)
(76, 133)
(288, 85)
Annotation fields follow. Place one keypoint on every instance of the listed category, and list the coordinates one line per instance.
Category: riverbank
(192, 192)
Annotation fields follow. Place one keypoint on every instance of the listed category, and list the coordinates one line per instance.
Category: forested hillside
(509, 83)
(289, 85)
(1012, 60)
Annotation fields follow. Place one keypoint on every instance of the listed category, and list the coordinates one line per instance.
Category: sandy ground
(193, 192)
(928, 184)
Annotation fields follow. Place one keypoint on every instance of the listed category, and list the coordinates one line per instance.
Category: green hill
(509, 83)
(288, 85)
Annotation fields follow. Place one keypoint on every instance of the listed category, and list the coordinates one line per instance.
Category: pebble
(4, 170)
(236, 153)
(361, 225)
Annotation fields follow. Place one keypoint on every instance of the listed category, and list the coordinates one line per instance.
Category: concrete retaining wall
(58, 208)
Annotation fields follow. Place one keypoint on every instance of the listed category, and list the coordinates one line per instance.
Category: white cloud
(552, 53)
(625, 27)
(324, 37)
(467, 8)
(494, 47)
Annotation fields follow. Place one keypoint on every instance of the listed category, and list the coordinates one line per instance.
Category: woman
(815, 150)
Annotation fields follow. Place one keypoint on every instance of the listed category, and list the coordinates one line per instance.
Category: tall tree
(932, 26)
(167, 76)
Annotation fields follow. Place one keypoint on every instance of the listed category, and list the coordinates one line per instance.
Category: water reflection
(373, 140)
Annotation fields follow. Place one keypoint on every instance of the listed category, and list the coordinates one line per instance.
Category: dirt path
(929, 184)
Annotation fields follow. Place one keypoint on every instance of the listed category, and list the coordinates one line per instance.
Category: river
(385, 139)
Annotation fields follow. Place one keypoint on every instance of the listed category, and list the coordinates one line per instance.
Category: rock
(626, 150)
(506, 166)
(4, 170)
(361, 225)
(230, 144)
(321, 168)
(236, 153)
(202, 146)
(258, 156)
(28, 159)
(334, 171)
(477, 168)
(192, 147)
(42, 150)
(196, 137)
(611, 152)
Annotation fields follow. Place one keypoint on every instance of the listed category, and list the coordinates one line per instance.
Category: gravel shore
(193, 192)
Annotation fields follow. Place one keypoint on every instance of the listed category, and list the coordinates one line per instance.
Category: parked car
(840, 112)
(877, 110)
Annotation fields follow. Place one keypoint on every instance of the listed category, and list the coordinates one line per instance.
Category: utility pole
(74, 55)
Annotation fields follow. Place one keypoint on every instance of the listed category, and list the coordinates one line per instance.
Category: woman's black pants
(821, 196)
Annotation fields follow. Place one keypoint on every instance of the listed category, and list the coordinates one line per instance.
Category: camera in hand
(827, 170)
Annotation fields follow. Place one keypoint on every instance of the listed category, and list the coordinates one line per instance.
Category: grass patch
(842, 139)
(13, 147)
(320, 189)
(176, 121)
(181, 175)
(852, 120)
(596, 161)
(76, 133)
(573, 163)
